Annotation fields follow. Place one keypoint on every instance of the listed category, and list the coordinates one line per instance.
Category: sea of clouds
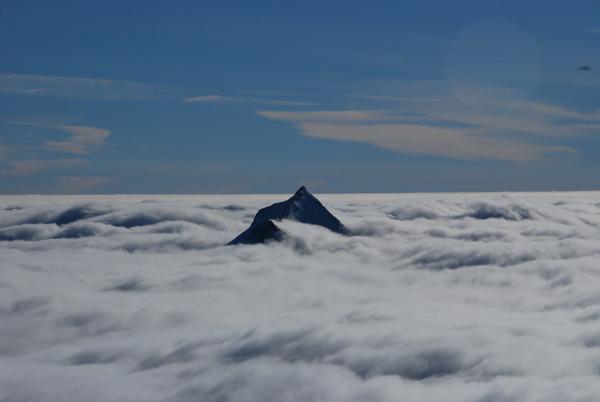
(433, 297)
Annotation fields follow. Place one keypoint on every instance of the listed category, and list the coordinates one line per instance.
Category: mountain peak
(301, 191)
(301, 207)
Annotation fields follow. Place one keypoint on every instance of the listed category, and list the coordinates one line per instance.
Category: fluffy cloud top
(474, 297)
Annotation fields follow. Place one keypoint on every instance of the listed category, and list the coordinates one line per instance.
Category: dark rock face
(302, 207)
(261, 233)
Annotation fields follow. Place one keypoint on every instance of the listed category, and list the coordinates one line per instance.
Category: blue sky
(262, 96)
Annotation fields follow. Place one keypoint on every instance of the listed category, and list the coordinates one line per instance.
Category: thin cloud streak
(31, 167)
(477, 122)
(242, 99)
(78, 184)
(415, 139)
(109, 89)
(5, 151)
(82, 141)
(78, 87)
(326, 116)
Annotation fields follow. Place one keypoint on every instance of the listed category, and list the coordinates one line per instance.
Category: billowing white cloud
(454, 297)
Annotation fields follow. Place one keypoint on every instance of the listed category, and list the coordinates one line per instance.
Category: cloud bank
(470, 297)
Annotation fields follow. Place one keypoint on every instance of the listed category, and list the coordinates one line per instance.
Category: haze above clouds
(454, 297)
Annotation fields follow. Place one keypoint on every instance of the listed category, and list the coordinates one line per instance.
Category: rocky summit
(301, 207)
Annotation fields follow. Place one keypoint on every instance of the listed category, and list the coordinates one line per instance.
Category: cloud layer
(471, 297)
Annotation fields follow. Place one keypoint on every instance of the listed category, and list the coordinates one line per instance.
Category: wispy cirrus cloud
(5, 151)
(78, 87)
(109, 89)
(478, 122)
(82, 140)
(18, 161)
(78, 184)
(22, 168)
(405, 137)
(244, 99)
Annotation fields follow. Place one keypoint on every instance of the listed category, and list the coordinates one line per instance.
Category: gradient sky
(262, 96)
